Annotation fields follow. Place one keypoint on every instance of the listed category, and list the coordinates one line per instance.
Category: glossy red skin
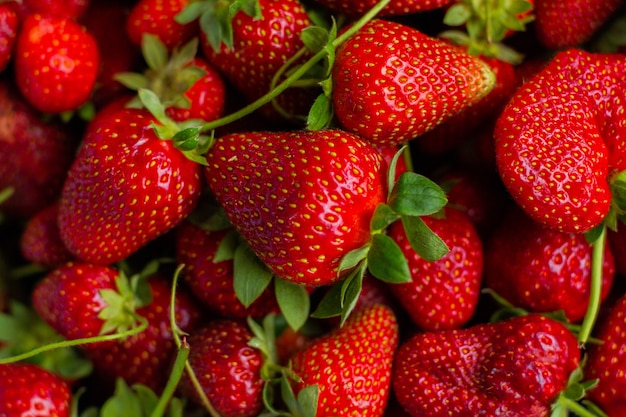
(212, 282)
(40, 242)
(8, 33)
(56, 63)
(66, 9)
(569, 23)
(156, 17)
(352, 364)
(515, 368)
(125, 188)
(442, 294)
(556, 149)
(306, 207)
(543, 270)
(34, 155)
(607, 361)
(394, 8)
(26, 389)
(392, 83)
(231, 378)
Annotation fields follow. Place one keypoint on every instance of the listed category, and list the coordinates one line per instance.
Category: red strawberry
(8, 32)
(393, 83)
(607, 361)
(125, 188)
(557, 148)
(41, 242)
(28, 390)
(442, 294)
(395, 7)
(351, 366)
(227, 368)
(542, 270)
(304, 208)
(56, 63)
(569, 23)
(66, 9)
(157, 17)
(511, 368)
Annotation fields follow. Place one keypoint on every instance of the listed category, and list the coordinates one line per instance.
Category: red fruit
(56, 63)
(442, 294)
(41, 242)
(305, 207)
(395, 7)
(606, 362)
(511, 368)
(157, 17)
(28, 390)
(562, 24)
(557, 148)
(393, 83)
(8, 32)
(542, 270)
(227, 368)
(65, 9)
(351, 365)
(125, 188)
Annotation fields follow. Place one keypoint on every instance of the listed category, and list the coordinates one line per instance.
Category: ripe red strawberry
(227, 368)
(511, 368)
(351, 366)
(302, 209)
(8, 32)
(157, 17)
(70, 9)
(442, 294)
(542, 270)
(607, 361)
(395, 7)
(393, 83)
(569, 23)
(28, 390)
(556, 149)
(56, 63)
(125, 188)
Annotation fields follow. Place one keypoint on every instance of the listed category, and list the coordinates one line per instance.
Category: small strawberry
(125, 188)
(351, 366)
(28, 390)
(56, 63)
(304, 208)
(227, 368)
(394, 8)
(392, 83)
(516, 367)
(442, 294)
(8, 32)
(557, 149)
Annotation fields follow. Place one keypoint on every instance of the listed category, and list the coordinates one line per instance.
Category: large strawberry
(125, 188)
(302, 199)
(511, 368)
(557, 149)
(351, 366)
(392, 83)
(56, 63)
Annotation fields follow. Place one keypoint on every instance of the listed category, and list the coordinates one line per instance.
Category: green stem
(172, 383)
(297, 74)
(576, 407)
(597, 261)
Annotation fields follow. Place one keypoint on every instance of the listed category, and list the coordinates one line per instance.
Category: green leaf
(594, 234)
(227, 247)
(293, 301)
(331, 304)
(123, 403)
(146, 397)
(423, 240)
(350, 291)
(192, 12)
(288, 396)
(307, 400)
(315, 38)
(6, 193)
(132, 80)
(151, 101)
(457, 15)
(320, 113)
(353, 258)
(518, 6)
(386, 261)
(250, 276)
(382, 218)
(154, 52)
(416, 195)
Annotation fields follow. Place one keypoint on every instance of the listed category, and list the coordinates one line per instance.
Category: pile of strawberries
(312, 208)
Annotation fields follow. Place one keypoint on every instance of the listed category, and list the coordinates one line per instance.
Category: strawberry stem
(577, 408)
(597, 261)
(297, 74)
(172, 383)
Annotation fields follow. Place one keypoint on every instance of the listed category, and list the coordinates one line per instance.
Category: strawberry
(394, 8)
(569, 23)
(606, 362)
(66, 9)
(157, 17)
(56, 63)
(28, 390)
(540, 269)
(442, 294)
(419, 82)
(125, 188)
(317, 192)
(351, 366)
(8, 32)
(511, 368)
(557, 149)
(227, 369)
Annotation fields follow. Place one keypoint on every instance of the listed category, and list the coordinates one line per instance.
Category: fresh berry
(157, 17)
(65, 9)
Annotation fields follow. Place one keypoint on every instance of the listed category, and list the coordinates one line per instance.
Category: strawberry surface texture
(312, 208)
